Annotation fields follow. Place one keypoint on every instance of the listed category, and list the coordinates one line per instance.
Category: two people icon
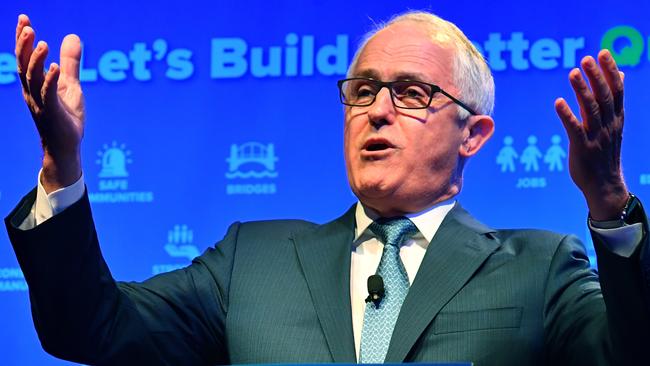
(531, 154)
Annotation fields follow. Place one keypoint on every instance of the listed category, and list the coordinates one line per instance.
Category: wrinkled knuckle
(618, 88)
(594, 110)
(608, 99)
(582, 87)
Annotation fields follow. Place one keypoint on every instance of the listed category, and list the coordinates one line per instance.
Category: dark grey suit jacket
(279, 291)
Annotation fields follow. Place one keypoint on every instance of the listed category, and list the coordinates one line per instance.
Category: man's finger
(24, 50)
(71, 56)
(571, 124)
(35, 73)
(614, 79)
(589, 108)
(50, 86)
(600, 89)
(23, 21)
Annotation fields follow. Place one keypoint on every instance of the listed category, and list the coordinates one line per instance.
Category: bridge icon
(251, 152)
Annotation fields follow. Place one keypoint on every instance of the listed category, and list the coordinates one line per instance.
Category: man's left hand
(595, 142)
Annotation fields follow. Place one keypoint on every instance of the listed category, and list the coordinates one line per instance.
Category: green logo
(628, 55)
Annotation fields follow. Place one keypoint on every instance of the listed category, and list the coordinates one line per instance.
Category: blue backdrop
(203, 113)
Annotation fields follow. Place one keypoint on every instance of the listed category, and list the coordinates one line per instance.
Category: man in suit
(293, 291)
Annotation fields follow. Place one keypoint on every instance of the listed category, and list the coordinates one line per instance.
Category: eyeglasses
(405, 94)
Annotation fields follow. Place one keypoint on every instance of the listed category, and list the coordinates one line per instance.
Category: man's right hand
(56, 102)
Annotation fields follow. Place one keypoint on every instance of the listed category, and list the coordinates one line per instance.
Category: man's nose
(382, 109)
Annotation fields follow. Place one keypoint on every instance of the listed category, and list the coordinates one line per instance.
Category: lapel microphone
(375, 290)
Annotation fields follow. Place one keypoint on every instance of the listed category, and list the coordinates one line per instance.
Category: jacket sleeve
(597, 318)
(83, 315)
(625, 285)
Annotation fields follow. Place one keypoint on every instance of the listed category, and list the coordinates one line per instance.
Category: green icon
(629, 55)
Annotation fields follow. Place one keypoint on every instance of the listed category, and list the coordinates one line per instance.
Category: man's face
(398, 160)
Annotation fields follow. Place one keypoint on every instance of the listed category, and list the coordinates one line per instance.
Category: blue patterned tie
(379, 322)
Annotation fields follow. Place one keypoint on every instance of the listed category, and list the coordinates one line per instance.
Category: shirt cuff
(620, 238)
(48, 205)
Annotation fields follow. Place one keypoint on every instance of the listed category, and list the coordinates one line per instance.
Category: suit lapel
(458, 249)
(324, 256)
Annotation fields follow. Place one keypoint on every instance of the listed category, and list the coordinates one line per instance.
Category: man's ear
(479, 129)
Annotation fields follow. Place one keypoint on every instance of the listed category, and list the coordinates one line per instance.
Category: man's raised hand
(595, 142)
(55, 101)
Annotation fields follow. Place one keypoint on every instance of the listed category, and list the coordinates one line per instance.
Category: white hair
(472, 76)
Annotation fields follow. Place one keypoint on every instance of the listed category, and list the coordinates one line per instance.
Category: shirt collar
(427, 221)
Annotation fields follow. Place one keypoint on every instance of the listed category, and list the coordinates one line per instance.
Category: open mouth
(377, 144)
(377, 147)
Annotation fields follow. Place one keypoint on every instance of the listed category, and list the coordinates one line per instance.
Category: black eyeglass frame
(389, 84)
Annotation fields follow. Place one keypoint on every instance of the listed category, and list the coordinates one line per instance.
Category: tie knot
(393, 231)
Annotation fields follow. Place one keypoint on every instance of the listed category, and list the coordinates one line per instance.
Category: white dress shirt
(366, 250)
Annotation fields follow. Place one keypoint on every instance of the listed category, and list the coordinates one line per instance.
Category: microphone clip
(376, 290)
